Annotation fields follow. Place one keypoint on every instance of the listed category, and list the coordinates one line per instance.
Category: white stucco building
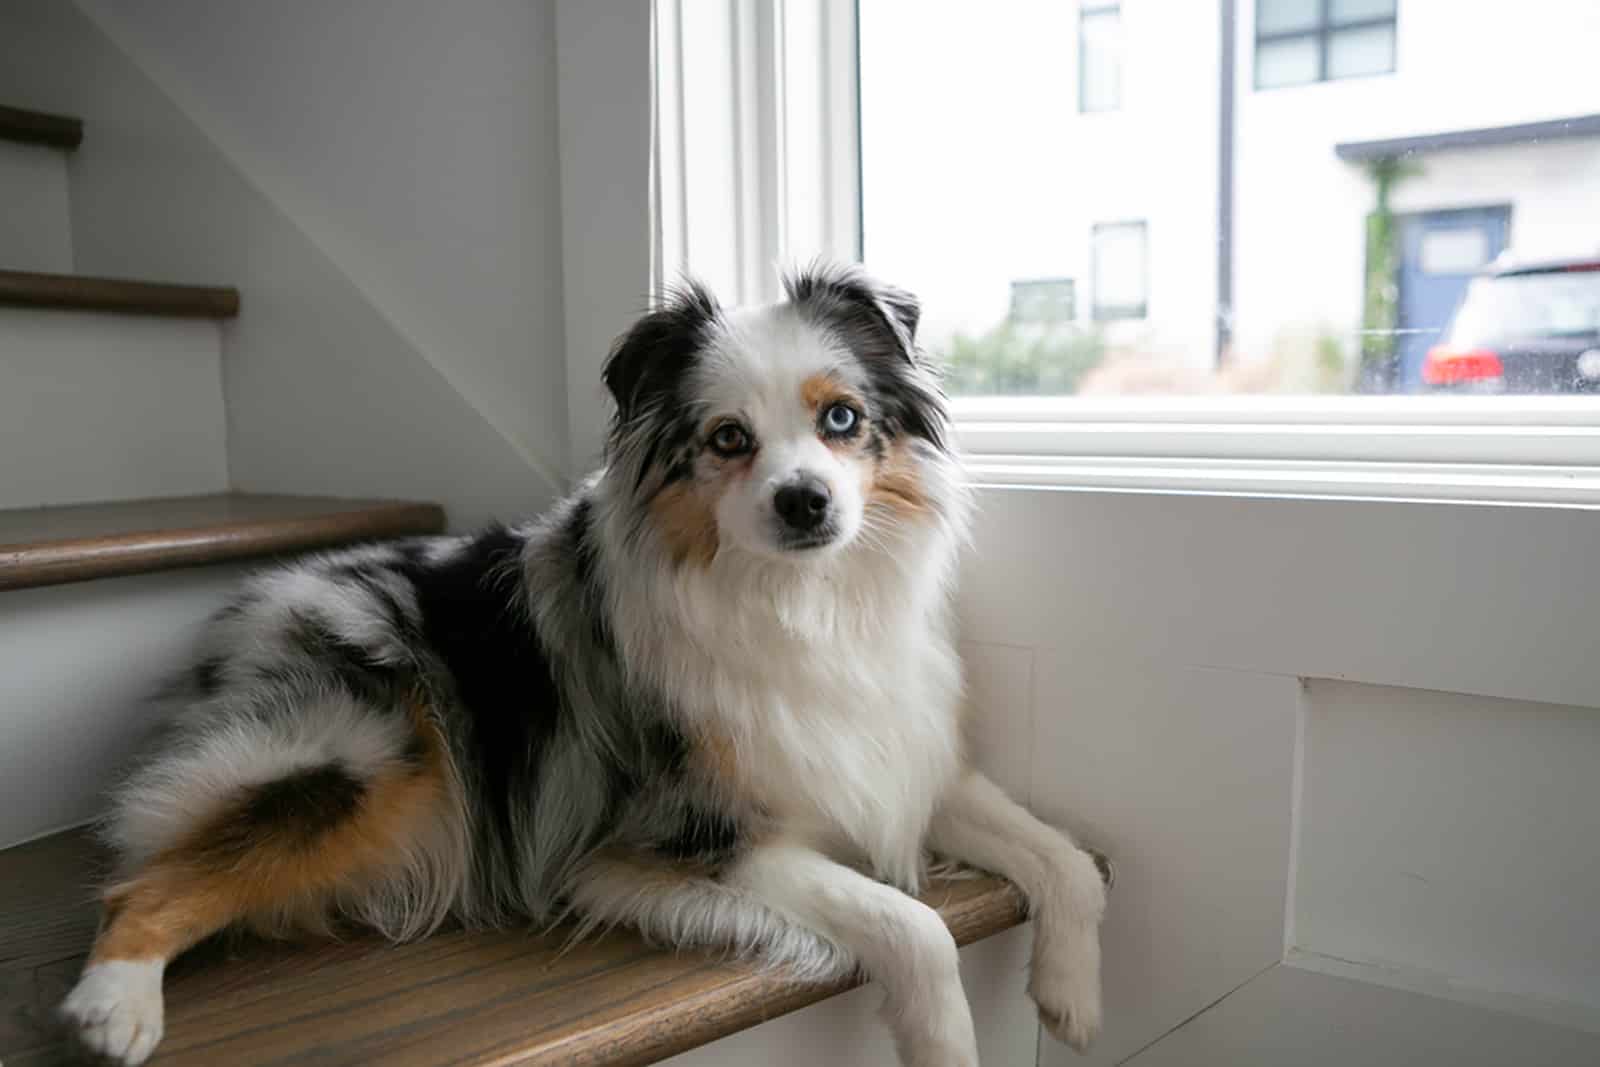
(998, 141)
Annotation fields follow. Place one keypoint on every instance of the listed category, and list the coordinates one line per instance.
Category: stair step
(57, 545)
(457, 997)
(19, 288)
(38, 127)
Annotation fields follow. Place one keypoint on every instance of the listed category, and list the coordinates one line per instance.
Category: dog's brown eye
(730, 439)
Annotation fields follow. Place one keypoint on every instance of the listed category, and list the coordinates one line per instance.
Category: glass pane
(987, 194)
(1352, 53)
(1456, 251)
(1290, 62)
(1101, 55)
(1119, 271)
(1286, 16)
(1354, 10)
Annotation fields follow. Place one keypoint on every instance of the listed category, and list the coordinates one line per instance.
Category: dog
(714, 694)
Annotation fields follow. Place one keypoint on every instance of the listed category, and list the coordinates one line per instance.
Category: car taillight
(1446, 365)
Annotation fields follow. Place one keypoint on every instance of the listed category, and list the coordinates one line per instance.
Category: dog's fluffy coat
(663, 704)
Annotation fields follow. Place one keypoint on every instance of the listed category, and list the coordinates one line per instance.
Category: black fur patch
(580, 540)
(475, 622)
(293, 812)
(646, 367)
(703, 836)
(208, 676)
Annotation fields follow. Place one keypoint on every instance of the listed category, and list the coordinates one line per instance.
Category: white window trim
(1480, 449)
(1533, 449)
(754, 128)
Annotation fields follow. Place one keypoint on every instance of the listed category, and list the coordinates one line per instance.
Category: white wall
(605, 73)
(78, 664)
(325, 391)
(415, 143)
(35, 227)
(108, 407)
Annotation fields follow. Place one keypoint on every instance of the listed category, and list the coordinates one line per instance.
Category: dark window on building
(1099, 57)
(1303, 41)
(1119, 271)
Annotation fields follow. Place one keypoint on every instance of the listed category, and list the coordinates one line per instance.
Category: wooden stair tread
(73, 292)
(52, 546)
(456, 997)
(39, 127)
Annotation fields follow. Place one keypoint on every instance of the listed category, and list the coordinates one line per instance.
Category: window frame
(1087, 10)
(1100, 312)
(1322, 32)
(1524, 450)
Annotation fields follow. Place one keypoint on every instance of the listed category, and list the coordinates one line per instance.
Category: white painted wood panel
(1183, 776)
(1490, 599)
(108, 407)
(1455, 835)
(36, 225)
(1293, 1017)
(77, 663)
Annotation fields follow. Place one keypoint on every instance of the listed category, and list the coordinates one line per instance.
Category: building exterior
(1237, 220)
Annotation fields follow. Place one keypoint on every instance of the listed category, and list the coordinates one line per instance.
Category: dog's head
(792, 430)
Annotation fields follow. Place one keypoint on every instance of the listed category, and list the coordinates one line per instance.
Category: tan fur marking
(195, 888)
(821, 390)
(897, 487)
(686, 524)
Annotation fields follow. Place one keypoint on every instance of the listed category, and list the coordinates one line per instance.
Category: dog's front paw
(115, 1010)
(1066, 986)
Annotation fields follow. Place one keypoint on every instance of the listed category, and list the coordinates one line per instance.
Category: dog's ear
(867, 307)
(650, 359)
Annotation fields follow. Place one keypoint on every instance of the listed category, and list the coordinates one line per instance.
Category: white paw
(115, 1009)
(1066, 984)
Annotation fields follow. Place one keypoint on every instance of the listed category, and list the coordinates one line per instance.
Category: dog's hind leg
(280, 854)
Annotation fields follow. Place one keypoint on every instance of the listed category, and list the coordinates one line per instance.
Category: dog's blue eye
(841, 418)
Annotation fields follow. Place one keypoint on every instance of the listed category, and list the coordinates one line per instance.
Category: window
(1286, 264)
(1304, 41)
(1099, 57)
(1119, 277)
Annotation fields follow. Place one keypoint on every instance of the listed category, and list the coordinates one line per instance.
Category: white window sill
(1534, 450)
(1462, 482)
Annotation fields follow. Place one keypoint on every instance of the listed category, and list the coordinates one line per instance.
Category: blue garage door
(1440, 251)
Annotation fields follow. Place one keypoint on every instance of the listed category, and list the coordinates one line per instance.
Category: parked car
(1523, 328)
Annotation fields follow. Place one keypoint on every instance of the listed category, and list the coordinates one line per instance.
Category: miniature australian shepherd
(714, 695)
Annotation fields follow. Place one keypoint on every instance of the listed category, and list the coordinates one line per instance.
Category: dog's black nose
(803, 504)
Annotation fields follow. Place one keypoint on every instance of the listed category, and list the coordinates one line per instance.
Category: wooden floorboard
(454, 998)
(53, 546)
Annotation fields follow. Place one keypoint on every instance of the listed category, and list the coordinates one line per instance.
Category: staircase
(113, 433)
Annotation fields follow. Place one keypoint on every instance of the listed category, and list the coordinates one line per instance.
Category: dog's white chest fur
(855, 754)
(840, 692)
